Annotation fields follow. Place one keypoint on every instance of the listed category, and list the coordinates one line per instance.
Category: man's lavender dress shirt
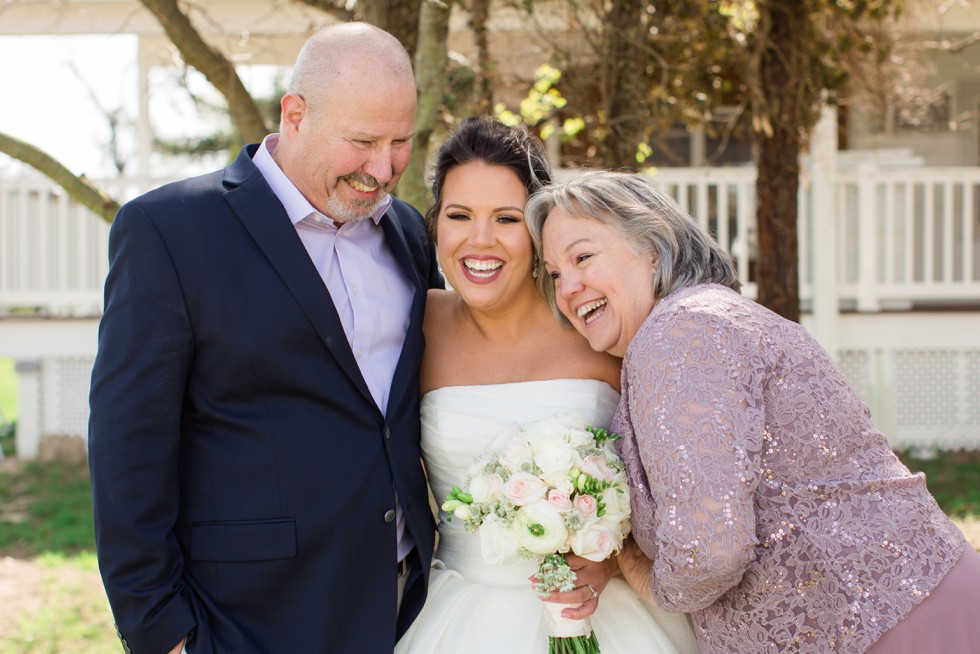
(368, 287)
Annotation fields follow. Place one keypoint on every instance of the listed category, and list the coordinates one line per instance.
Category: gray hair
(351, 49)
(649, 219)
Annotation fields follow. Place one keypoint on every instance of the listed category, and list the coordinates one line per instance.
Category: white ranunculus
(487, 488)
(498, 542)
(541, 529)
(596, 542)
(523, 488)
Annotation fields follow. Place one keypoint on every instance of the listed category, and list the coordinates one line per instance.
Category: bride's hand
(590, 580)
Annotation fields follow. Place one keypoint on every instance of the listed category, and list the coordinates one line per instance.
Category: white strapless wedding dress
(477, 608)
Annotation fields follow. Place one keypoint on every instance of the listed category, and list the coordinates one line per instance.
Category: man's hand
(179, 648)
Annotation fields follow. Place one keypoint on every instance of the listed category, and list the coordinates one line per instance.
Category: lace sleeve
(696, 409)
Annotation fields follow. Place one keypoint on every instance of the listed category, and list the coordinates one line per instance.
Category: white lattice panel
(856, 366)
(64, 395)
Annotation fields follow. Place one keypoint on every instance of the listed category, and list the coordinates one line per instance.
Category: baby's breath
(554, 575)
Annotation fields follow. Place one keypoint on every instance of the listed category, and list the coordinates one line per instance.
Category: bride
(495, 356)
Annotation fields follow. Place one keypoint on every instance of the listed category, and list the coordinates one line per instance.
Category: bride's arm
(589, 575)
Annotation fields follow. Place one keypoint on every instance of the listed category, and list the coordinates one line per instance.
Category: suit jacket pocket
(253, 540)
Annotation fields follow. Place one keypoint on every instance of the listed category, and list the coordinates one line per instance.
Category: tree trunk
(399, 18)
(479, 14)
(220, 72)
(623, 83)
(779, 139)
(430, 75)
(78, 187)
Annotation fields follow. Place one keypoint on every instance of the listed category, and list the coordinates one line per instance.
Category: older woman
(764, 500)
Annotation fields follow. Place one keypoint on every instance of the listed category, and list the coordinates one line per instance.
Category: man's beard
(348, 211)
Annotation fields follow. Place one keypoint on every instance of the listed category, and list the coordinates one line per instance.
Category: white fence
(902, 240)
(906, 238)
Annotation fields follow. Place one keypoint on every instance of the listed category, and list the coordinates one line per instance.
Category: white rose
(546, 434)
(540, 529)
(556, 462)
(575, 431)
(596, 542)
(487, 488)
(617, 505)
(516, 454)
(573, 421)
(523, 488)
(498, 542)
(500, 440)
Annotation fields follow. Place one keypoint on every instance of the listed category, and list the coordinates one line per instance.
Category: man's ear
(293, 112)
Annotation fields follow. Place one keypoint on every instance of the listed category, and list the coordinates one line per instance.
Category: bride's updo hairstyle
(487, 140)
(649, 219)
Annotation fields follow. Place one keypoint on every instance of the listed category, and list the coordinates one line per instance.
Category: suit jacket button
(389, 515)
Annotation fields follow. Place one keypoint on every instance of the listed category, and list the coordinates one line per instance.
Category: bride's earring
(534, 266)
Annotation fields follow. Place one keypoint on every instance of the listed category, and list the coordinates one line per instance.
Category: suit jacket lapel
(263, 216)
(408, 362)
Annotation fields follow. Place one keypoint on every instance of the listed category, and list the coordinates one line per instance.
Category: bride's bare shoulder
(438, 307)
(579, 356)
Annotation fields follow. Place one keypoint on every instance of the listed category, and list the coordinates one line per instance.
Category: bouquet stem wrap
(568, 636)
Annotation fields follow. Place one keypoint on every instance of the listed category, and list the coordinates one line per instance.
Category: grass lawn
(50, 590)
(52, 599)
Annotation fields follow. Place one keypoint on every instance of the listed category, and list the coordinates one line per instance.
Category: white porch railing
(906, 238)
(53, 251)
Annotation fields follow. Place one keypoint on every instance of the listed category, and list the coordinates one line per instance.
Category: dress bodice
(457, 424)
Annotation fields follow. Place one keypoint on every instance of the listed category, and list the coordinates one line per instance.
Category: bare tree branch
(77, 186)
(218, 70)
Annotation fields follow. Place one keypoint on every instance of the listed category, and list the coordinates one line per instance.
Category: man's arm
(138, 384)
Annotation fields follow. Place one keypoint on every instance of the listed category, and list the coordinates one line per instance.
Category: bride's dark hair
(486, 139)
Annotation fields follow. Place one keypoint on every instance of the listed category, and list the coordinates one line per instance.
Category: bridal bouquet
(541, 490)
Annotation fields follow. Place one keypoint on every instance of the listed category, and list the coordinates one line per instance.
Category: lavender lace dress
(772, 509)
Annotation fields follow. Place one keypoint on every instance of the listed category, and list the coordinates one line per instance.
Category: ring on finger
(594, 593)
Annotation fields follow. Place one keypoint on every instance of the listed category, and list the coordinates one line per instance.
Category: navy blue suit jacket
(242, 474)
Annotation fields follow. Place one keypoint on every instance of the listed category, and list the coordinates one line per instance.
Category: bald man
(254, 435)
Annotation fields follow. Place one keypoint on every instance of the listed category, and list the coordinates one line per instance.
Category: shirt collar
(296, 205)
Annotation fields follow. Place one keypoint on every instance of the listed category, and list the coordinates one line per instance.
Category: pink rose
(596, 466)
(586, 505)
(560, 499)
(595, 543)
(523, 488)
